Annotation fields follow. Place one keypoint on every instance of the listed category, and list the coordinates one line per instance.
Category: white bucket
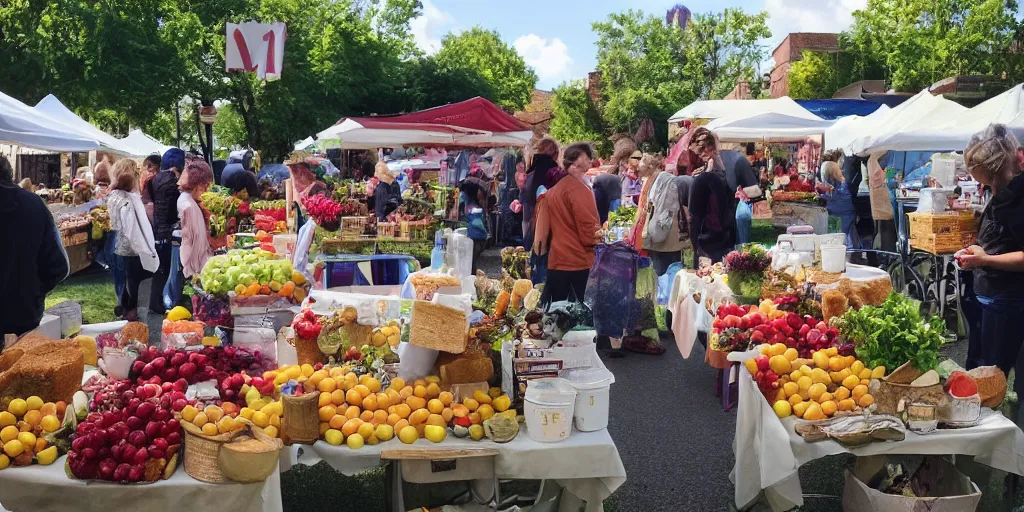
(548, 408)
(833, 258)
(592, 385)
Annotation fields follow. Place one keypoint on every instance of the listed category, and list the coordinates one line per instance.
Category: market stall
(22, 125)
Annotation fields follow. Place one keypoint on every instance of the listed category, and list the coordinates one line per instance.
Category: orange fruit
(829, 407)
(416, 402)
(325, 399)
(419, 416)
(435, 406)
(446, 413)
(795, 399)
(380, 417)
(436, 419)
(446, 398)
(351, 426)
(33, 417)
(403, 410)
(327, 385)
(352, 411)
(363, 390)
(405, 392)
(847, 404)
(420, 391)
(324, 427)
(858, 391)
(471, 404)
(474, 418)
(866, 400)
(835, 363)
(337, 421)
(373, 385)
(383, 401)
(352, 397)
(400, 424)
(397, 383)
(48, 409)
(210, 429)
(370, 403)
(366, 416)
(327, 412)
(393, 396)
(337, 397)
(841, 393)
(392, 419)
(460, 411)
(433, 390)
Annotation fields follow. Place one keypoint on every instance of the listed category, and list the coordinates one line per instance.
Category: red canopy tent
(474, 122)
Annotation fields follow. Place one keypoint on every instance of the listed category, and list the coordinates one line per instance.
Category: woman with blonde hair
(134, 245)
(839, 200)
(997, 259)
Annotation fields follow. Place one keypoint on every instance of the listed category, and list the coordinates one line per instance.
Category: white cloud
(430, 26)
(786, 16)
(550, 59)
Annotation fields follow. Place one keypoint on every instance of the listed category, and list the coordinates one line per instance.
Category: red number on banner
(269, 37)
(243, 50)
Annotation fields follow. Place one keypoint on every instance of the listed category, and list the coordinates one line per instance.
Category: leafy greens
(894, 333)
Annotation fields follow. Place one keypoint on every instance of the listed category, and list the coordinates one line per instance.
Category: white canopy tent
(954, 132)
(363, 134)
(768, 127)
(846, 129)
(144, 143)
(731, 109)
(23, 126)
(920, 111)
(52, 108)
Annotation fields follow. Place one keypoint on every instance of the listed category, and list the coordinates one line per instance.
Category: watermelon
(961, 385)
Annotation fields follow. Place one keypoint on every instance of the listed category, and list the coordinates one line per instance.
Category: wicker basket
(942, 243)
(300, 422)
(957, 221)
(249, 460)
(308, 352)
(201, 453)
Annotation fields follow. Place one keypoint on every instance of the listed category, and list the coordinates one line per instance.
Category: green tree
(813, 76)
(499, 64)
(575, 117)
(229, 130)
(651, 69)
(919, 42)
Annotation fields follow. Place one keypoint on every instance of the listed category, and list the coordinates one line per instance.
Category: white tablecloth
(769, 452)
(38, 488)
(587, 464)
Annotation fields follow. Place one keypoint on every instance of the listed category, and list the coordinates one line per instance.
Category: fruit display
(356, 410)
(69, 221)
(270, 220)
(815, 388)
(34, 432)
(138, 442)
(175, 369)
(794, 196)
(737, 327)
(253, 272)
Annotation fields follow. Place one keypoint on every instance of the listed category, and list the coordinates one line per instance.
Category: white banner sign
(256, 47)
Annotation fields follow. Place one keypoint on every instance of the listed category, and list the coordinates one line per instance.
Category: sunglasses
(634, 158)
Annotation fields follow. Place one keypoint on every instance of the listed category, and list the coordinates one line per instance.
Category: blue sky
(555, 38)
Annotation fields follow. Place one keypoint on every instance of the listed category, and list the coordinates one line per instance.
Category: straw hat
(298, 157)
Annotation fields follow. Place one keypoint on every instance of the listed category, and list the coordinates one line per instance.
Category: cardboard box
(950, 490)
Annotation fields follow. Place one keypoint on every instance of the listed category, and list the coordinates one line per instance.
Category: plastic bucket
(548, 408)
(590, 411)
(833, 258)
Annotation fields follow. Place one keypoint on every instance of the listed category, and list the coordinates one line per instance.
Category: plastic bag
(665, 282)
(611, 289)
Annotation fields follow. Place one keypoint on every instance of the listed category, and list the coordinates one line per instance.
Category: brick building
(791, 49)
(537, 114)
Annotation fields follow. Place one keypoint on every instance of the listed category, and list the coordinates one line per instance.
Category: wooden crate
(942, 243)
(353, 228)
(954, 222)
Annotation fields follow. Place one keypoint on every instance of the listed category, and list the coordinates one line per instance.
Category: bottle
(437, 253)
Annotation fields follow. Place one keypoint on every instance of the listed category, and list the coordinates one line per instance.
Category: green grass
(93, 290)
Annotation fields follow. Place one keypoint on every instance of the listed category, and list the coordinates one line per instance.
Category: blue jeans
(538, 268)
(175, 279)
(1001, 336)
(120, 278)
(744, 217)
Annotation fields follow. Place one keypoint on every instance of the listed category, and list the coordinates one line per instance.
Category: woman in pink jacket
(195, 246)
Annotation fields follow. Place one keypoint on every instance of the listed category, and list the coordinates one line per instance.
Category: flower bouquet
(745, 268)
(324, 211)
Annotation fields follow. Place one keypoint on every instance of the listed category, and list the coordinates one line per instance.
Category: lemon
(34, 403)
(476, 432)
(270, 431)
(779, 364)
(777, 349)
(791, 388)
(829, 407)
(45, 457)
(8, 433)
(260, 419)
(178, 313)
(408, 434)
(365, 430)
(13, 448)
(384, 432)
(355, 441)
(17, 407)
(878, 372)
(502, 403)
(800, 408)
(816, 390)
(851, 382)
(5, 461)
(804, 383)
(792, 354)
(782, 408)
(28, 439)
(434, 433)
(6, 419)
(189, 413)
(813, 412)
(751, 366)
(333, 437)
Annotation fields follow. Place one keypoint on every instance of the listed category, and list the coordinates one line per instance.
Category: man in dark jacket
(740, 175)
(34, 260)
(238, 174)
(163, 188)
(607, 194)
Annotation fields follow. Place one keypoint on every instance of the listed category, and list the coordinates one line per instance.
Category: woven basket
(300, 422)
(202, 451)
(308, 352)
(239, 462)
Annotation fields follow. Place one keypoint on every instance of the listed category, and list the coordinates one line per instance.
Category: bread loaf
(37, 365)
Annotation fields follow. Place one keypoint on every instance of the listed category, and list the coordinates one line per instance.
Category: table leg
(398, 500)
